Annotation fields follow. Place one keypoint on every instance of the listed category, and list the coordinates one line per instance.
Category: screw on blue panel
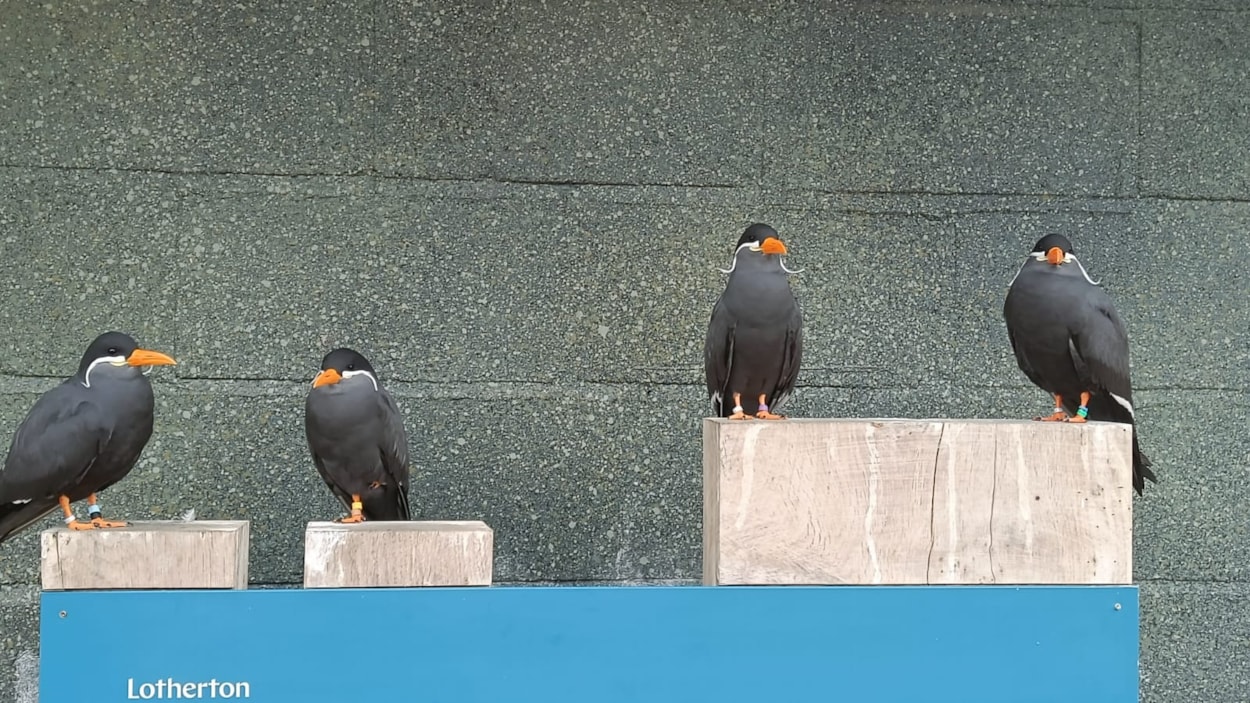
(1117, 606)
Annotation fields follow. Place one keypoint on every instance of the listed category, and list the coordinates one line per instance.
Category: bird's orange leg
(1059, 415)
(357, 515)
(97, 518)
(70, 520)
(738, 414)
(764, 414)
(1082, 411)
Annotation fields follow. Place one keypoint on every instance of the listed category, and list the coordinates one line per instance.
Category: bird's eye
(351, 367)
(112, 351)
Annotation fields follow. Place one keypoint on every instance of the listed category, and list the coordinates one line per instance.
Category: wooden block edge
(478, 528)
(52, 575)
(399, 525)
(711, 501)
(713, 438)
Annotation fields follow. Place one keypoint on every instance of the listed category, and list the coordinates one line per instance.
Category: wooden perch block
(147, 555)
(398, 554)
(822, 502)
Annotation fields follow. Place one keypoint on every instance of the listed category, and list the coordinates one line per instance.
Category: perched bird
(1070, 342)
(357, 438)
(80, 437)
(755, 337)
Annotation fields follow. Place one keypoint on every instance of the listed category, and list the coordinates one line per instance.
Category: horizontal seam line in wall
(773, 197)
(371, 174)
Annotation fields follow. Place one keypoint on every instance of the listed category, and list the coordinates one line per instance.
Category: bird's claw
(101, 522)
(80, 526)
(765, 415)
(739, 416)
(1053, 417)
(1077, 420)
(351, 519)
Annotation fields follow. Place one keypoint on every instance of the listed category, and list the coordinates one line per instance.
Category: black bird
(80, 437)
(357, 439)
(1070, 342)
(755, 337)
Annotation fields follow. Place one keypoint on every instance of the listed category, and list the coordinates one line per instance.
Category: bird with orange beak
(356, 435)
(82, 436)
(1070, 342)
(754, 340)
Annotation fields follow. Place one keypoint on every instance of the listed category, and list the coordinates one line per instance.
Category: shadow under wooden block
(854, 501)
(398, 554)
(147, 555)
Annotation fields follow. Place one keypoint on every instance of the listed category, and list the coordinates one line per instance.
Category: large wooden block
(398, 554)
(814, 501)
(147, 555)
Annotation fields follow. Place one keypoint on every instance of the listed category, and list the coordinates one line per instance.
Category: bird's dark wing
(1099, 349)
(1014, 317)
(314, 438)
(718, 353)
(1021, 360)
(54, 446)
(343, 497)
(791, 357)
(394, 449)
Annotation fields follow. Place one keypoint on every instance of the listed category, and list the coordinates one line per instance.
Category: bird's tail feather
(1105, 408)
(15, 517)
(388, 505)
(1141, 467)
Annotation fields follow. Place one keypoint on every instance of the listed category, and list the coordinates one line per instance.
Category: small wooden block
(147, 555)
(398, 554)
(823, 502)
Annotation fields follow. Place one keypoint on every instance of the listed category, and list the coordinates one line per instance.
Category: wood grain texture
(806, 501)
(398, 554)
(147, 555)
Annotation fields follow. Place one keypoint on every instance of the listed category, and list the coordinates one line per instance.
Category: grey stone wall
(517, 211)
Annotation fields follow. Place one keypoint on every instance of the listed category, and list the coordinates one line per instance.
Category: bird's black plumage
(80, 437)
(754, 342)
(1068, 339)
(357, 438)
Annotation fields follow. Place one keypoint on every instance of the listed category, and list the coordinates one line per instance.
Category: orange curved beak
(772, 245)
(1054, 256)
(147, 357)
(327, 378)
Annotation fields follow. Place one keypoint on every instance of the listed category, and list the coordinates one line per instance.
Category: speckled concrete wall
(517, 211)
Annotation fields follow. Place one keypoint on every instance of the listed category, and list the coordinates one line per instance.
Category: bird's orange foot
(1057, 416)
(763, 413)
(739, 415)
(1082, 411)
(101, 522)
(79, 526)
(357, 514)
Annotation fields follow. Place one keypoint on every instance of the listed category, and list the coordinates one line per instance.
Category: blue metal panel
(886, 644)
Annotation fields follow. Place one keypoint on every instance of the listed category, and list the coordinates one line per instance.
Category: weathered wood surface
(398, 554)
(815, 501)
(147, 555)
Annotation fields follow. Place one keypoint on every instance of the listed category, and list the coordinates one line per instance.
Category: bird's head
(762, 238)
(341, 364)
(1054, 249)
(1053, 253)
(115, 350)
